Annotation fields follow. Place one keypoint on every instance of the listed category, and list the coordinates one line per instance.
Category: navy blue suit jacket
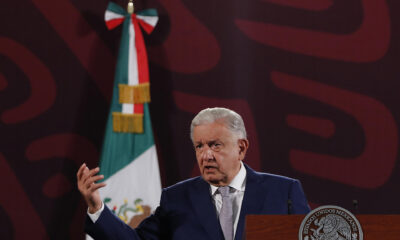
(187, 211)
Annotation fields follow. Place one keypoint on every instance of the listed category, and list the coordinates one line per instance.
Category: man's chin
(215, 182)
(212, 179)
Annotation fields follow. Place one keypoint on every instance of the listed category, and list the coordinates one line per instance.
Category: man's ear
(243, 146)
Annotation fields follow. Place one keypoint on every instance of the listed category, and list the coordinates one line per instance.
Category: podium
(286, 227)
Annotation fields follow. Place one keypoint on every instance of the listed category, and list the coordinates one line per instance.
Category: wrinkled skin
(218, 152)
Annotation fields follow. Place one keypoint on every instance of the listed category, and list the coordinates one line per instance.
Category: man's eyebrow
(214, 141)
(208, 142)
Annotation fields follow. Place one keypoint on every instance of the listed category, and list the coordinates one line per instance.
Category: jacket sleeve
(298, 201)
(110, 227)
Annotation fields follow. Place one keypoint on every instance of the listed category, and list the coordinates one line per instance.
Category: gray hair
(232, 120)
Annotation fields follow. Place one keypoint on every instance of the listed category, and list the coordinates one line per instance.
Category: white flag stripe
(133, 74)
(112, 15)
(133, 71)
(127, 108)
(151, 20)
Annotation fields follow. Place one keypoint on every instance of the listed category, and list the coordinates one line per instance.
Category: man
(211, 206)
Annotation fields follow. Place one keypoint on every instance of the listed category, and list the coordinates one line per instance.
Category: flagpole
(130, 8)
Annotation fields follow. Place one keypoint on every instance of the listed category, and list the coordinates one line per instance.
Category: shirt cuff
(96, 215)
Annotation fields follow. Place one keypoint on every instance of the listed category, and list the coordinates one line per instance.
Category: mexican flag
(129, 159)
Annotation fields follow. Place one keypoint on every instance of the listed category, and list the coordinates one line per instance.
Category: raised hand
(89, 188)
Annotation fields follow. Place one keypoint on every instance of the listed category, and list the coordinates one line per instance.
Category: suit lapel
(253, 200)
(205, 209)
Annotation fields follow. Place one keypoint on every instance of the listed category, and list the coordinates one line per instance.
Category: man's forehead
(210, 128)
(210, 132)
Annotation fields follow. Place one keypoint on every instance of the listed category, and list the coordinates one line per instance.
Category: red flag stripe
(143, 68)
(113, 23)
(138, 108)
(146, 27)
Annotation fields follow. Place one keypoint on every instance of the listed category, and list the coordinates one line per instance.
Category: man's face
(218, 152)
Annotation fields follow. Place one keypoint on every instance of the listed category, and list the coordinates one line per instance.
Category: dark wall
(317, 83)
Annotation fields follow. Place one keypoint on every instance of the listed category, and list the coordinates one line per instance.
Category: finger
(97, 178)
(94, 171)
(87, 174)
(96, 186)
(84, 176)
(93, 180)
(80, 171)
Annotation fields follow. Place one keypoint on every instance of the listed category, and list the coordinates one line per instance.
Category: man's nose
(207, 154)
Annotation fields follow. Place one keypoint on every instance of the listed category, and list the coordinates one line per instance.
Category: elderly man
(211, 206)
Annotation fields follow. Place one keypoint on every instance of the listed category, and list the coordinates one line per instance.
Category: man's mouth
(209, 167)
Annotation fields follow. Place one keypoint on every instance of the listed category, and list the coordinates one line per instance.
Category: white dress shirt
(96, 215)
(238, 186)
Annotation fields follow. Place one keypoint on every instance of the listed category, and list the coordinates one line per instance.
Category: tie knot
(224, 191)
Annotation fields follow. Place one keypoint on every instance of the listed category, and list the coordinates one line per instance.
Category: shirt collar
(238, 182)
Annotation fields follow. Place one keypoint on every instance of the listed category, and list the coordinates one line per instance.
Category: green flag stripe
(116, 8)
(120, 149)
(151, 12)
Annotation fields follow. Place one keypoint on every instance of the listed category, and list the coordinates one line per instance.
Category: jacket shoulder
(269, 178)
(185, 184)
(275, 177)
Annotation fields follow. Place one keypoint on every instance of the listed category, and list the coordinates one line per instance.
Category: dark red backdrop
(317, 83)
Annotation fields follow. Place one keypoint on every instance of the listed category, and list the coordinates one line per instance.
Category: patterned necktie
(226, 214)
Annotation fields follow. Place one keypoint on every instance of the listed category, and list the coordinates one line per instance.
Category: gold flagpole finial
(130, 7)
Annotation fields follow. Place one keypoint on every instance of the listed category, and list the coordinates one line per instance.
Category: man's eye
(216, 146)
(198, 146)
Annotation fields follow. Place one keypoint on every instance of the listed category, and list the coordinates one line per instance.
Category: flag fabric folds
(129, 159)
